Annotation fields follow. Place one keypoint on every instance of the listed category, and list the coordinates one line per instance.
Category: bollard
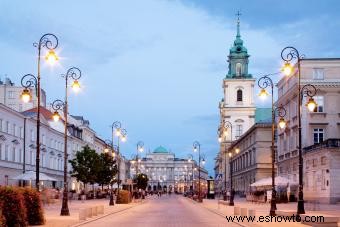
(100, 209)
(236, 210)
(244, 211)
(94, 211)
(251, 212)
(82, 215)
(89, 212)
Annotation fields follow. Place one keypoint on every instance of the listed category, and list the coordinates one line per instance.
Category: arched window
(239, 95)
(238, 69)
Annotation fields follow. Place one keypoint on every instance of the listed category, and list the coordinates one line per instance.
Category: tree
(85, 165)
(107, 169)
(141, 181)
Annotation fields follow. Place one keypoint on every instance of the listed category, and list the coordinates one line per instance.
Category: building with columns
(169, 173)
(320, 130)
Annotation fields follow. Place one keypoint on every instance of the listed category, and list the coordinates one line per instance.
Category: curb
(105, 215)
(213, 211)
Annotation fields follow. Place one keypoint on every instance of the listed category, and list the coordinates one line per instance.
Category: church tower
(237, 106)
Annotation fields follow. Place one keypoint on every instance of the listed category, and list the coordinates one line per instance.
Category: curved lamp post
(197, 147)
(265, 82)
(50, 42)
(140, 148)
(112, 148)
(288, 54)
(191, 160)
(231, 199)
(74, 74)
(121, 136)
(221, 139)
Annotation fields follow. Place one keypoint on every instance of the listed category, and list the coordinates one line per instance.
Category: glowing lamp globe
(311, 105)
(26, 95)
(51, 57)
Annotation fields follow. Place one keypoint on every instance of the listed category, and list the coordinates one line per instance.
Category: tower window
(239, 130)
(239, 95)
(238, 69)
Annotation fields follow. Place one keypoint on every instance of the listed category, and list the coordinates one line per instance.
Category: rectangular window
(318, 74)
(11, 94)
(7, 127)
(21, 132)
(320, 104)
(318, 135)
(239, 130)
(2, 152)
(13, 154)
(0, 125)
(6, 152)
(14, 128)
(32, 135)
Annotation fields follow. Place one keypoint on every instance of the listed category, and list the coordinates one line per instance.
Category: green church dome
(160, 149)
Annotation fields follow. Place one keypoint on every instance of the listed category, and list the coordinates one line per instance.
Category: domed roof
(160, 149)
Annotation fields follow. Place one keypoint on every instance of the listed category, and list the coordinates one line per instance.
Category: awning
(31, 175)
(279, 181)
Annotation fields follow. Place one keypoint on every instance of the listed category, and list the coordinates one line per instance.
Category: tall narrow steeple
(238, 56)
(238, 35)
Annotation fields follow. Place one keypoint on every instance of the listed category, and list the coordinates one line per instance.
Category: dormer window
(238, 69)
(239, 95)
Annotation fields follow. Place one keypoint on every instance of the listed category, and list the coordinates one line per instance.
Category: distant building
(168, 173)
(320, 130)
(10, 96)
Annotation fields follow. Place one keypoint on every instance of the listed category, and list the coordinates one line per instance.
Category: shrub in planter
(123, 197)
(34, 209)
(13, 208)
(2, 218)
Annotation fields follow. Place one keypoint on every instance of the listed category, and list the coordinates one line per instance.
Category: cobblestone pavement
(174, 211)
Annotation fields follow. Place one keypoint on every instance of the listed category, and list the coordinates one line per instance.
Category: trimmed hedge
(123, 197)
(13, 207)
(2, 217)
(34, 209)
(20, 207)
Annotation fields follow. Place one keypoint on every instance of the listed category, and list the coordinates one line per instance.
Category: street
(164, 211)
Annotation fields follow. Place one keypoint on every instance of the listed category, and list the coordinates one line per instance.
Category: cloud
(150, 64)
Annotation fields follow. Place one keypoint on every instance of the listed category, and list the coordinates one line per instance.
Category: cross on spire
(238, 14)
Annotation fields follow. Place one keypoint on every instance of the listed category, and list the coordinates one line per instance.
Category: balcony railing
(329, 143)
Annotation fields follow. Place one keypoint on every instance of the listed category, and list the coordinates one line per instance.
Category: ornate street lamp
(140, 148)
(265, 82)
(231, 199)
(110, 147)
(221, 132)
(288, 54)
(121, 136)
(50, 42)
(197, 147)
(191, 160)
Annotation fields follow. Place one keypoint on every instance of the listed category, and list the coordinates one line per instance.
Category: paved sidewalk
(263, 210)
(53, 218)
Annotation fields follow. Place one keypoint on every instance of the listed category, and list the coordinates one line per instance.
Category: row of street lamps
(50, 42)
(288, 54)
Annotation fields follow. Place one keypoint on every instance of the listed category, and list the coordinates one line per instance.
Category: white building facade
(168, 173)
(320, 130)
